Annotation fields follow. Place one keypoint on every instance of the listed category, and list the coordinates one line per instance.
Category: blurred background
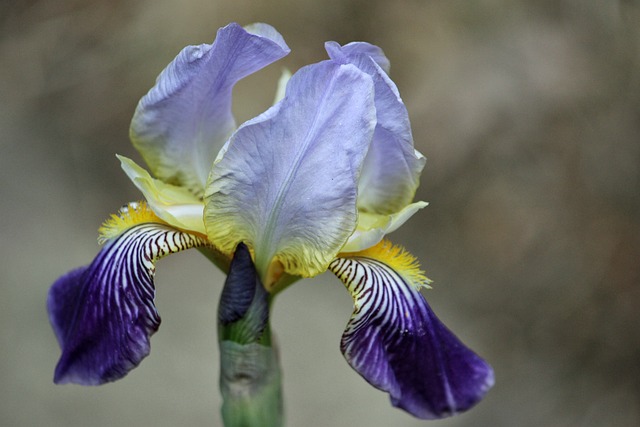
(528, 113)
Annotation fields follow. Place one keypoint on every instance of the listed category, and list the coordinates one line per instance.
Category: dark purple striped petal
(398, 345)
(103, 314)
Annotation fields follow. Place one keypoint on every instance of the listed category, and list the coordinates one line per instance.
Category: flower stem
(250, 385)
(249, 366)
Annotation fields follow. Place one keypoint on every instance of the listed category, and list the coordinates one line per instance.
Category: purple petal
(287, 184)
(184, 120)
(391, 171)
(398, 345)
(354, 49)
(103, 314)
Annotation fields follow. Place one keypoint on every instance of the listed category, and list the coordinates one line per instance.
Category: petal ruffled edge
(392, 168)
(359, 48)
(182, 122)
(103, 315)
(396, 342)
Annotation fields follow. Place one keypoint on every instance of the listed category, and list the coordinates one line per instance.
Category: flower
(312, 184)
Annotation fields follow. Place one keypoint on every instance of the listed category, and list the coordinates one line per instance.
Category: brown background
(529, 114)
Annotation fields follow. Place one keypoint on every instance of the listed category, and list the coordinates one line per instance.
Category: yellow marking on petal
(372, 227)
(398, 259)
(175, 205)
(129, 215)
(274, 273)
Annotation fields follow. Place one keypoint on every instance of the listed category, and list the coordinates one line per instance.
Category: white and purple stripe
(104, 314)
(395, 341)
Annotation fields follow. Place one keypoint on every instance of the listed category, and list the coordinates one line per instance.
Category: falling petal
(103, 315)
(395, 341)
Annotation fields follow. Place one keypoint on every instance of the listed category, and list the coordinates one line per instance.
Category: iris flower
(314, 183)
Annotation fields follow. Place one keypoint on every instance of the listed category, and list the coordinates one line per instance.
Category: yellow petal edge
(129, 215)
(176, 206)
(398, 259)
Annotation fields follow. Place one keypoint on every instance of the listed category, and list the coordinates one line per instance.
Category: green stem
(250, 385)
(249, 366)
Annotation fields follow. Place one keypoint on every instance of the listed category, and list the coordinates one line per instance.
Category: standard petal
(286, 185)
(359, 48)
(391, 171)
(175, 205)
(372, 228)
(103, 315)
(184, 120)
(395, 341)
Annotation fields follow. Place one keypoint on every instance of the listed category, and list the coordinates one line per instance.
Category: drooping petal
(395, 341)
(184, 120)
(103, 315)
(287, 183)
(175, 205)
(372, 227)
(391, 171)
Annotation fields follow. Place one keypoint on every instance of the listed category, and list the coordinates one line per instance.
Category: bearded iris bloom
(314, 183)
